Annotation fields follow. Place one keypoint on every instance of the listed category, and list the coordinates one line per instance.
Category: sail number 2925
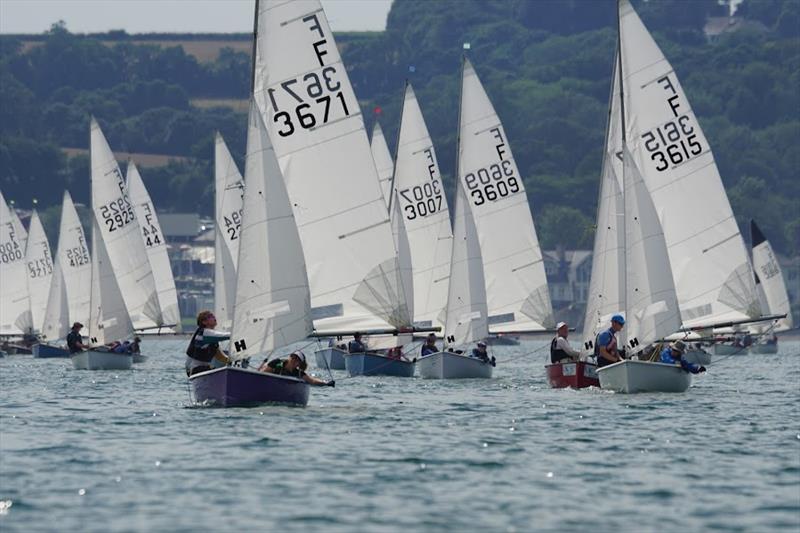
(117, 214)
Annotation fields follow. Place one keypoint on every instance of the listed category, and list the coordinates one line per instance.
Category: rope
(741, 349)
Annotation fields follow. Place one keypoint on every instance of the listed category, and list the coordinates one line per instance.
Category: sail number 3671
(317, 97)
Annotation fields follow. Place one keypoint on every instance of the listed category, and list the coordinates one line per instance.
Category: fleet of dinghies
(329, 235)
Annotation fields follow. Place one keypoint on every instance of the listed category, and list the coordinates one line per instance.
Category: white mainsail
(74, 260)
(19, 228)
(156, 247)
(651, 306)
(109, 319)
(273, 302)
(713, 276)
(317, 130)
(14, 305)
(516, 284)
(56, 316)
(607, 285)
(770, 279)
(229, 188)
(467, 310)
(120, 233)
(39, 270)
(383, 161)
(419, 196)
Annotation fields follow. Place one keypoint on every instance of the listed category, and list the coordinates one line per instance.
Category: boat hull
(330, 358)
(630, 376)
(448, 365)
(729, 349)
(371, 364)
(764, 348)
(574, 375)
(241, 387)
(49, 350)
(92, 360)
(697, 357)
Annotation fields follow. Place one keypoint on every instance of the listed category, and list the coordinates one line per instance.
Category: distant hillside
(545, 64)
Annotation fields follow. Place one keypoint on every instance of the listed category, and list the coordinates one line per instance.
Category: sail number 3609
(493, 182)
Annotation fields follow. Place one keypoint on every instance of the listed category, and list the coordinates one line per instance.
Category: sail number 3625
(493, 182)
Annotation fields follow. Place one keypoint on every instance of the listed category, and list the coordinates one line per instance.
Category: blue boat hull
(49, 350)
(370, 364)
(241, 387)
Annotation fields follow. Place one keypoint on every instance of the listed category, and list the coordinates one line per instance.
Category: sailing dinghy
(772, 290)
(14, 305)
(272, 301)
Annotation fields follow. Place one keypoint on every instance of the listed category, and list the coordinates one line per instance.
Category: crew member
(204, 346)
(605, 345)
(74, 339)
(560, 349)
(430, 345)
(295, 365)
(356, 345)
(673, 354)
(479, 352)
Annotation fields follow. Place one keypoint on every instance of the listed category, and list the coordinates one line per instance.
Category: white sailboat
(156, 247)
(309, 108)
(56, 317)
(272, 304)
(772, 288)
(516, 284)
(39, 269)
(229, 197)
(467, 309)
(14, 305)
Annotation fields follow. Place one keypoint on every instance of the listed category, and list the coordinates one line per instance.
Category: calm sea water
(123, 451)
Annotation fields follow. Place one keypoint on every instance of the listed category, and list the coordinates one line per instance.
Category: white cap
(300, 355)
(560, 325)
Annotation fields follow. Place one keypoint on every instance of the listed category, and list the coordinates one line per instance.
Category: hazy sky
(136, 16)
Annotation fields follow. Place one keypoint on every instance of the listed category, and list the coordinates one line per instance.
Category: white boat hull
(697, 357)
(764, 348)
(91, 360)
(729, 349)
(331, 358)
(448, 365)
(641, 376)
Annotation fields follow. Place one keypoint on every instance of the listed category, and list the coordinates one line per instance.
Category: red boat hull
(574, 375)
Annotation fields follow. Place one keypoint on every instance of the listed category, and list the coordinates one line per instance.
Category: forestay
(14, 306)
(156, 247)
(229, 187)
(713, 276)
(516, 284)
(607, 285)
(273, 303)
(651, 310)
(73, 258)
(419, 195)
(56, 316)
(771, 279)
(120, 233)
(308, 105)
(109, 319)
(466, 315)
(39, 270)
(383, 161)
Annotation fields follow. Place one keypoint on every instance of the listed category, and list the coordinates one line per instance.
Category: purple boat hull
(43, 350)
(239, 387)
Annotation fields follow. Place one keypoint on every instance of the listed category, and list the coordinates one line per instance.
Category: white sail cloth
(516, 284)
(315, 124)
(75, 262)
(56, 317)
(273, 303)
(109, 319)
(383, 161)
(771, 279)
(229, 191)
(420, 199)
(14, 304)
(39, 270)
(156, 246)
(713, 276)
(120, 233)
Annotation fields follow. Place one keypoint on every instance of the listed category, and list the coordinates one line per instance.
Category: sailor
(673, 354)
(430, 345)
(560, 349)
(74, 339)
(605, 345)
(356, 345)
(134, 348)
(204, 346)
(479, 352)
(295, 366)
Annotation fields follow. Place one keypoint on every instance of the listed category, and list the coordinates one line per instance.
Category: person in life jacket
(560, 349)
(295, 366)
(673, 354)
(74, 339)
(356, 345)
(605, 345)
(430, 345)
(204, 346)
(479, 352)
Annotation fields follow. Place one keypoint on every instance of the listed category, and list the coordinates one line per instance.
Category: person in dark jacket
(357, 345)
(204, 346)
(74, 339)
(560, 349)
(479, 352)
(673, 354)
(430, 346)
(295, 366)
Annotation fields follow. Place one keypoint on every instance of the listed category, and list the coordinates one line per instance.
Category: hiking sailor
(480, 353)
(605, 345)
(295, 366)
(560, 349)
(673, 354)
(204, 346)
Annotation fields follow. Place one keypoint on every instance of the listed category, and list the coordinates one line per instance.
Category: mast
(624, 286)
(255, 47)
